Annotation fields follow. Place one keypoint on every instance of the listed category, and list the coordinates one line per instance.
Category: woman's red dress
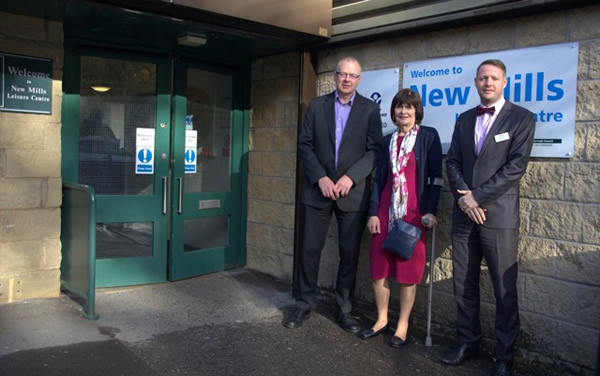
(383, 263)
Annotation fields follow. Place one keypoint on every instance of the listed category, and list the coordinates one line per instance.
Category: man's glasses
(348, 75)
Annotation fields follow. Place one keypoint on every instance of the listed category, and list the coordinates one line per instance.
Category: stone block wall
(559, 248)
(272, 164)
(30, 179)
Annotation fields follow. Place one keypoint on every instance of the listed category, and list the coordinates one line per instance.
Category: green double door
(162, 142)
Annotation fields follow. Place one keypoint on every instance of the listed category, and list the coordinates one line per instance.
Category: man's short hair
(348, 59)
(494, 62)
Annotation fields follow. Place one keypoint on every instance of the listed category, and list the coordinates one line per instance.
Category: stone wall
(30, 180)
(272, 164)
(559, 249)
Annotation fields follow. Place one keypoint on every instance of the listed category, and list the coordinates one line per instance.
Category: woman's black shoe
(397, 342)
(370, 333)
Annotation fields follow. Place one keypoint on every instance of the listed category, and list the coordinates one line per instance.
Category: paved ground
(223, 324)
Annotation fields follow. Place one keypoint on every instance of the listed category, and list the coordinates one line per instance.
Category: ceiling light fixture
(100, 89)
(192, 40)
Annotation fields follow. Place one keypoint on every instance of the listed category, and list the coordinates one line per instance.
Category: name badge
(501, 137)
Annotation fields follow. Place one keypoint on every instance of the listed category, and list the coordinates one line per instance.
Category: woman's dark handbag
(402, 239)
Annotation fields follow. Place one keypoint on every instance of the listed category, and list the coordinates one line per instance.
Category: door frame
(74, 49)
(184, 264)
(119, 208)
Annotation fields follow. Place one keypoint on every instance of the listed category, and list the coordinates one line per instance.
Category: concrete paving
(227, 323)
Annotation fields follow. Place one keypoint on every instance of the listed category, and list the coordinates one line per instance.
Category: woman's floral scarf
(399, 160)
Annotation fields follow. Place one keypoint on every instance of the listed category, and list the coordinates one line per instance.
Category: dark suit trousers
(471, 243)
(316, 225)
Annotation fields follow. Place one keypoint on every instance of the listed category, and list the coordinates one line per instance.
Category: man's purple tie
(482, 110)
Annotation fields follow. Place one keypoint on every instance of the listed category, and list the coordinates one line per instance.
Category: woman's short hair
(408, 97)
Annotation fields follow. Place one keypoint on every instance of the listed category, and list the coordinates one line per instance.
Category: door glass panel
(207, 232)
(117, 96)
(209, 102)
(126, 239)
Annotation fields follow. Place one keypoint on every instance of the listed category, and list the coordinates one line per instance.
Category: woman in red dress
(407, 186)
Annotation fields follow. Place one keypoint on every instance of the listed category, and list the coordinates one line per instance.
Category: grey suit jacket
(358, 150)
(494, 175)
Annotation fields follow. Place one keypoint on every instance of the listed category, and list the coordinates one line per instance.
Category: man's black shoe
(296, 319)
(503, 368)
(348, 323)
(462, 353)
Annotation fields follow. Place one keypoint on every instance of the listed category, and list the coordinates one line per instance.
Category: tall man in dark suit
(338, 146)
(488, 156)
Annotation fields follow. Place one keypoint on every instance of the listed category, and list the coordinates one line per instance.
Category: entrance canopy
(265, 28)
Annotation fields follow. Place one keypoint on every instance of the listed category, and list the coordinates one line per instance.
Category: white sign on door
(144, 151)
(191, 147)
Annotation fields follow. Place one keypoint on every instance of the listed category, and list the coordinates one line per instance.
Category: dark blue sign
(25, 84)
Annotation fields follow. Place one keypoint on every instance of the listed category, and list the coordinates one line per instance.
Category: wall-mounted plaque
(25, 84)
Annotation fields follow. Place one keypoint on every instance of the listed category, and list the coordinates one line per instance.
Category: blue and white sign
(381, 86)
(144, 161)
(145, 155)
(541, 79)
(191, 147)
(189, 121)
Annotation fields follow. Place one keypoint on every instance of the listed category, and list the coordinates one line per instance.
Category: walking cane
(430, 299)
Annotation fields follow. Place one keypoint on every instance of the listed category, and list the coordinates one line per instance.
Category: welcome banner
(381, 86)
(541, 79)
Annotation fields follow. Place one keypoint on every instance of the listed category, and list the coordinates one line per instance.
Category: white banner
(381, 86)
(541, 79)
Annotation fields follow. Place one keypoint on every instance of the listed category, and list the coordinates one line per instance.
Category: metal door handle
(180, 195)
(164, 203)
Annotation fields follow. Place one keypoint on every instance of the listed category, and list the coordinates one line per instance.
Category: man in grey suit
(488, 156)
(338, 146)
